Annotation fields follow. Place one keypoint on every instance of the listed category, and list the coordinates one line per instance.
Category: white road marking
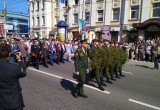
(127, 72)
(59, 77)
(144, 104)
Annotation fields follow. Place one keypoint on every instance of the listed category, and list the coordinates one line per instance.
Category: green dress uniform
(97, 72)
(112, 62)
(106, 66)
(123, 58)
(81, 66)
(117, 61)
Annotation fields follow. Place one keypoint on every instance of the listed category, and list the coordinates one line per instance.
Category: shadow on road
(87, 80)
(143, 66)
(68, 85)
(75, 77)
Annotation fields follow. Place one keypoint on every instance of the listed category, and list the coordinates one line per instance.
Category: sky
(15, 5)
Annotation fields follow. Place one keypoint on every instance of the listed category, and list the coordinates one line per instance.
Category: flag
(61, 1)
(80, 25)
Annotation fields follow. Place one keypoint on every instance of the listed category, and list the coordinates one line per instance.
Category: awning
(155, 21)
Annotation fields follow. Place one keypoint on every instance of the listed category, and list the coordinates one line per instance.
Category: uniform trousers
(82, 80)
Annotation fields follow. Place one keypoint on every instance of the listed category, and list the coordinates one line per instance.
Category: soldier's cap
(35, 39)
(95, 40)
(1, 38)
(84, 41)
(105, 40)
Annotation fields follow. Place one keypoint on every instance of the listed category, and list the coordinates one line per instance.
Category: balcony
(75, 9)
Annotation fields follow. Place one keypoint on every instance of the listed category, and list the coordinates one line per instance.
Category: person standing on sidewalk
(10, 90)
(157, 57)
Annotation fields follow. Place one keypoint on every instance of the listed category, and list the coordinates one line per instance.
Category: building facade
(41, 17)
(14, 24)
(125, 20)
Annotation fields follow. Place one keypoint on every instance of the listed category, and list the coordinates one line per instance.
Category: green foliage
(104, 57)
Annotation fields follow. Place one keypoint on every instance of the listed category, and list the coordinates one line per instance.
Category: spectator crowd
(50, 51)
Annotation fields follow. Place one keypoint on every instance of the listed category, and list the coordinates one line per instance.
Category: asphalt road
(51, 89)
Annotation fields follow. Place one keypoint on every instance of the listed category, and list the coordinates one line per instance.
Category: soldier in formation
(106, 61)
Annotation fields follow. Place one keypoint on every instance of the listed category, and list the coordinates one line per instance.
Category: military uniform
(81, 66)
(96, 72)
(123, 57)
(106, 66)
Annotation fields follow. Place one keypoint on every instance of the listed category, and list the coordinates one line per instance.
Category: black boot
(120, 74)
(112, 78)
(102, 83)
(109, 80)
(100, 87)
(117, 76)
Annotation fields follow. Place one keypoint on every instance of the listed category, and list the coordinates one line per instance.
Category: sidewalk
(142, 63)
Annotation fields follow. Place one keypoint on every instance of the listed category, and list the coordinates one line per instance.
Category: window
(37, 21)
(100, 15)
(134, 12)
(43, 5)
(76, 18)
(33, 21)
(56, 19)
(66, 2)
(37, 5)
(116, 14)
(56, 5)
(43, 19)
(32, 6)
(76, 2)
(87, 1)
(156, 10)
(87, 17)
(65, 18)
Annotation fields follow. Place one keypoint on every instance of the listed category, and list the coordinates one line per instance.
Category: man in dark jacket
(44, 51)
(35, 50)
(14, 48)
(10, 90)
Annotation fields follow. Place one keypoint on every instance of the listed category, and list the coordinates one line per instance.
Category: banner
(106, 33)
(84, 28)
(80, 25)
(61, 1)
(61, 34)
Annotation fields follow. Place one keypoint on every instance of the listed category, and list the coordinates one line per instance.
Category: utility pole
(5, 12)
(83, 19)
(121, 19)
(141, 12)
